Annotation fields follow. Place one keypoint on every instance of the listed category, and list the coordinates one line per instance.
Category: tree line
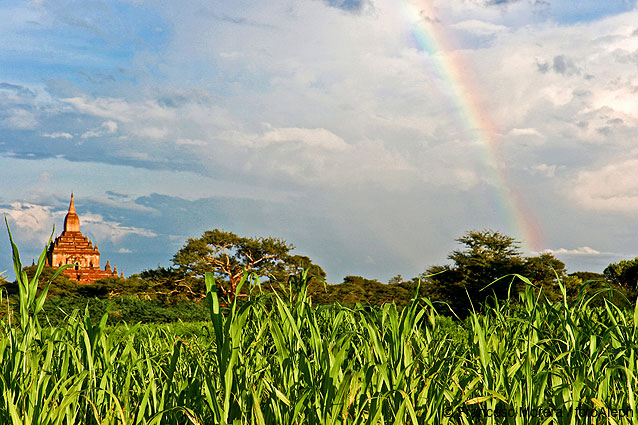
(489, 265)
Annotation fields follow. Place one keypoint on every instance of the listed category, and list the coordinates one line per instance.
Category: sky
(370, 134)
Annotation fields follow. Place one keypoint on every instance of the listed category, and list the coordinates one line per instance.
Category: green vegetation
(126, 309)
(484, 271)
(623, 273)
(277, 358)
(228, 256)
(478, 273)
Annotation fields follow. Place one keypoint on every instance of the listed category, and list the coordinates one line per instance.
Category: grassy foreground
(279, 360)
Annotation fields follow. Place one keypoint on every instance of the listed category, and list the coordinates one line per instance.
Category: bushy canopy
(228, 256)
(624, 273)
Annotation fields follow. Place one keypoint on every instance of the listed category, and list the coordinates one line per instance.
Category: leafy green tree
(487, 256)
(624, 273)
(544, 269)
(298, 263)
(117, 287)
(588, 276)
(171, 286)
(228, 256)
(396, 280)
(357, 289)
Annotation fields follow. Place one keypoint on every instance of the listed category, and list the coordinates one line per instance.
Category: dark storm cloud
(349, 5)
(560, 65)
(542, 67)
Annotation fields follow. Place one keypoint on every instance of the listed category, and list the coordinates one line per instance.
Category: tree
(228, 256)
(544, 269)
(588, 276)
(487, 256)
(171, 286)
(624, 273)
(298, 263)
(357, 289)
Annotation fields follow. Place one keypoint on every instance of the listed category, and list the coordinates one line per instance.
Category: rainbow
(448, 64)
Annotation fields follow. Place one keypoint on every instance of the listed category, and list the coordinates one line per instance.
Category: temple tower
(72, 247)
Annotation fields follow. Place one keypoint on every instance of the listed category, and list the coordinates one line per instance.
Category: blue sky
(320, 122)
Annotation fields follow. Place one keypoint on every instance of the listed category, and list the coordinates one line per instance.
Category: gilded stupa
(72, 247)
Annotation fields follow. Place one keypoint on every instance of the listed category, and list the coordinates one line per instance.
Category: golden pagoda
(72, 247)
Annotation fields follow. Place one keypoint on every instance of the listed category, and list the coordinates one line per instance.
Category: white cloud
(363, 88)
(545, 169)
(119, 109)
(102, 230)
(621, 99)
(152, 120)
(124, 251)
(583, 250)
(308, 137)
(524, 132)
(613, 187)
(44, 177)
(107, 127)
(31, 225)
(318, 158)
(19, 119)
(586, 257)
(190, 142)
(479, 28)
(152, 132)
(26, 216)
(59, 135)
(569, 107)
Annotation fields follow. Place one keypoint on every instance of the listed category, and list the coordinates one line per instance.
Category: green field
(277, 359)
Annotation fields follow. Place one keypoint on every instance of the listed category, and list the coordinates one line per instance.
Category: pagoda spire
(71, 221)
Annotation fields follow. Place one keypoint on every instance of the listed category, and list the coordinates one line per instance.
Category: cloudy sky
(368, 133)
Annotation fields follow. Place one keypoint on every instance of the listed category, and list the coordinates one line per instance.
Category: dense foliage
(277, 359)
(487, 268)
(487, 257)
(229, 256)
(624, 273)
